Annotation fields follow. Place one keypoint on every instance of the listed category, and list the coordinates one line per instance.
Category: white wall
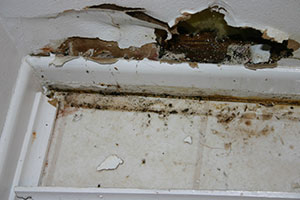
(10, 61)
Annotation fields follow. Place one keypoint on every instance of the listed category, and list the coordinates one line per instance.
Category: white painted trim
(56, 193)
(37, 147)
(15, 126)
(27, 139)
(157, 77)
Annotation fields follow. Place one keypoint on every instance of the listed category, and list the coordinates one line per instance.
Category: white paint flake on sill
(110, 163)
(188, 140)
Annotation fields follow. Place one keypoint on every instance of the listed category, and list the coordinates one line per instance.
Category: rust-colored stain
(267, 130)
(193, 64)
(33, 136)
(248, 123)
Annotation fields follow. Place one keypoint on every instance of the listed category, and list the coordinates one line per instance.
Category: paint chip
(110, 163)
(59, 61)
(188, 140)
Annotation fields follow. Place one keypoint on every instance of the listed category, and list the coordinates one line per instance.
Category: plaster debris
(260, 53)
(110, 163)
(188, 140)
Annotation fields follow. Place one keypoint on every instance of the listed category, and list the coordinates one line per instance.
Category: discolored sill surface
(148, 135)
(266, 102)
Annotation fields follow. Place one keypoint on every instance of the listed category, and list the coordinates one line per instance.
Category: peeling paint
(203, 37)
(102, 51)
(59, 61)
(115, 7)
(275, 35)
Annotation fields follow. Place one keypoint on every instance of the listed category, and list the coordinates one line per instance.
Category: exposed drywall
(9, 65)
(31, 25)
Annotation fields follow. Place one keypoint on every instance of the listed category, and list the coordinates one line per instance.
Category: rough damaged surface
(100, 50)
(233, 145)
(159, 105)
(204, 37)
(181, 93)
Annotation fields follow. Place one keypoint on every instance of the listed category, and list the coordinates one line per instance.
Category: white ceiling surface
(32, 24)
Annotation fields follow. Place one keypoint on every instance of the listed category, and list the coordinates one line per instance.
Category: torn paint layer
(203, 37)
(275, 35)
(108, 6)
(138, 13)
(101, 51)
(110, 163)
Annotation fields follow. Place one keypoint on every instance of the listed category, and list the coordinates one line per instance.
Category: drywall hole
(205, 37)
